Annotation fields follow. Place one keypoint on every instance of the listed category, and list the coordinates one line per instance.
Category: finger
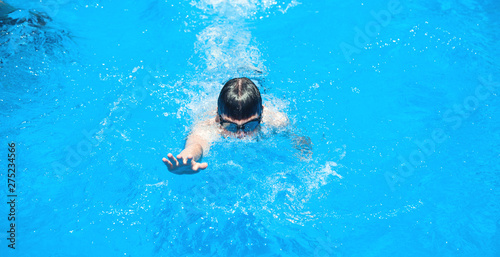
(203, 165)
(185, 160)
(195, 167)
(173, 160)
(180, 159)
(190, 160)
(168, 163)
(199, 166)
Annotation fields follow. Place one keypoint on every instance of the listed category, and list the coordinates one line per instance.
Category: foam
(228, 48)
(233, 8)
(243, 8)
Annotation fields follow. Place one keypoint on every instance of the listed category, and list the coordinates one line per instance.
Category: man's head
(239, 99)
(239, 106)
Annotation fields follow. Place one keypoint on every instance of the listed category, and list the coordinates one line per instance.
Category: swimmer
(239, 114)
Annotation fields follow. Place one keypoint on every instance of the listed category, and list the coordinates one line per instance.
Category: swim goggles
(246, 127)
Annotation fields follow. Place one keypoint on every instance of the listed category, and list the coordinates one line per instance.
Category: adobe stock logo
(453, 118)
(371, 29)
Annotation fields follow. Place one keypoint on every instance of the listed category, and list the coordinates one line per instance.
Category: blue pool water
(400, 101)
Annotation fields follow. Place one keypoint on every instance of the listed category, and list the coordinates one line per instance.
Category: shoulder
(204, 133)
(206, 125)
(274, 118)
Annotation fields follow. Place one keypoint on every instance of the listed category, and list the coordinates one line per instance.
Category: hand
(184, 163)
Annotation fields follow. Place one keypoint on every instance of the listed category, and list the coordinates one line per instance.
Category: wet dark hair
(239, 99)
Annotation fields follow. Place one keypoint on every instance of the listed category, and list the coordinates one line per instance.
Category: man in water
(239, 113)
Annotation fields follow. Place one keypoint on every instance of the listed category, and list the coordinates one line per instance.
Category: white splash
(234, 8)
(228, 47)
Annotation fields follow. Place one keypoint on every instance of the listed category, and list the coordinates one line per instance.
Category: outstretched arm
(186, 162)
